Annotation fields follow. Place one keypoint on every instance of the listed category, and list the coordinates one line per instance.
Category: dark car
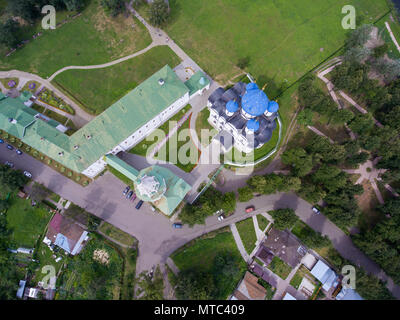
(19, 152)
(1, 141)
(126, 190)
(133, 197)
(139, 204)
(177, 225)
(129, 195)
(10, 147)
(9, 163)
(250, 209)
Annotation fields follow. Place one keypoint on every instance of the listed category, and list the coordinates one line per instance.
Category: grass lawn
(203, 124)
(283, 39)
(296, 280)
(92, 38)
(5, 82)
(199, 254)
(395, 27)
(262, 222)
(247, 234)
(279, 267)
(45, 257)
(117, 234)
(28, 223)
(26, 86)
(185, 154)
(150, 141)
(95, 90)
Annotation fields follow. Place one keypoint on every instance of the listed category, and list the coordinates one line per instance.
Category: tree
(359, 36)
(305, 117)
(332, 178)
(225, 268)
(229, 202)
(8, 33)
(114, 7)
(11, 180)
(74, 5)
(257, 184)
(159, 12)
(283, 218)
(245, 194)
(381, 50)
(194, 285)
(151, 287)
(361, 124)
(301, 162)
(341, 116)
(26, 9)
(3, 206)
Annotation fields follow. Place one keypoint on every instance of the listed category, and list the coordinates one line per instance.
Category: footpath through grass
(95, 90)
(92, 38)
(247, 234)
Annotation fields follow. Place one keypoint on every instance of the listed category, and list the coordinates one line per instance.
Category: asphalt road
(157, 238)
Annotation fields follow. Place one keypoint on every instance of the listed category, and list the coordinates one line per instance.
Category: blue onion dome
(253, 125)
(232, 106)
(273, 106)
(255, 101)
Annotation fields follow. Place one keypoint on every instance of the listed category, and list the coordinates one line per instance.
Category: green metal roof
(106, 131)
(197, 82)
(25, 96)
(120, 165)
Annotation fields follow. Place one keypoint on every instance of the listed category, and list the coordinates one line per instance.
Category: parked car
(221, 217)
(10, 147)
(129, 195)
(19, 152)
(133, 197)
(1, 141)
(177, 225)
(316, 210)
(126, 190)
(139, 204)
(250, 209)
(27, 174)
(9, 163)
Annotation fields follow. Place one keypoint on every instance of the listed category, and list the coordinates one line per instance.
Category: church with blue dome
(245, 113)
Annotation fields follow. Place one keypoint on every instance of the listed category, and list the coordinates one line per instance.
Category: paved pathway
(392, 36)
(315, 130)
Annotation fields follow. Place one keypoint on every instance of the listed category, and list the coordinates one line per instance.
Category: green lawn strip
(117, 234)
(38, 108)
(262, 222)
(27, 222)
(97, 89)
(120, 176)
(56, 116)
(92, 38)
(142, 147)
(200, 253)
(186, 154)
(279, 267)
(203, 124)
(296, 35)
(268, 287)
(127, 290)
(247, 234)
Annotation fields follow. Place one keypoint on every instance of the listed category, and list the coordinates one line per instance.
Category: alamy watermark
(349, 20)
(49, 20)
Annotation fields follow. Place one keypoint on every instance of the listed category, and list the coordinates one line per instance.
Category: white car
(221, 217)
(27, 174)
(315, 210)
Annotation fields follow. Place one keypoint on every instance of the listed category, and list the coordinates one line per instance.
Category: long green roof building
(119, 128)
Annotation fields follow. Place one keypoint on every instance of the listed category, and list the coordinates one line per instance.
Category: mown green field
(27, 223)
(92, 38)
(97, 89)
(283, 39)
